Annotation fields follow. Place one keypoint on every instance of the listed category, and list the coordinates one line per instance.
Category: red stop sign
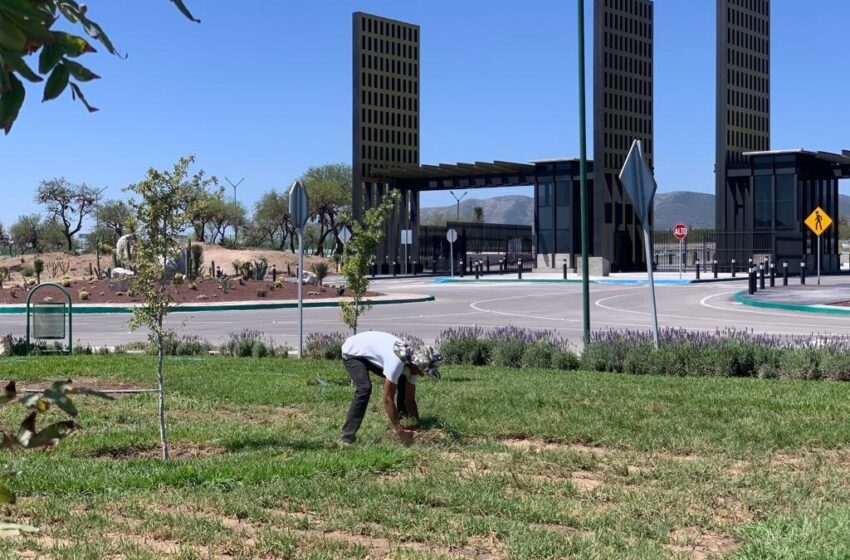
(680, 231)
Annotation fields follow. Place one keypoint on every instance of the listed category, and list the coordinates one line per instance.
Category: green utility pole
(585, 273)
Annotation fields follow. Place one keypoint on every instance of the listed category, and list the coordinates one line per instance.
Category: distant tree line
(69, 208)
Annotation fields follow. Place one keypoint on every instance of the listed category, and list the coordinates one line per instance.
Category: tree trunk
(163, 434)
(70, 239)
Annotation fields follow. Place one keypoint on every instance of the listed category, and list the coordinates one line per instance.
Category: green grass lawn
(507, 464)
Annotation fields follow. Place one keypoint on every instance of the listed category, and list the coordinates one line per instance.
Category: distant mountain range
(692, 208)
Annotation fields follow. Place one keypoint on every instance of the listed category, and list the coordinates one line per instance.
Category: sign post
(406, 240)
(298, 209)
(680, 232)
(640, 184)
(451, 235)
(818, 221)
(345, 237)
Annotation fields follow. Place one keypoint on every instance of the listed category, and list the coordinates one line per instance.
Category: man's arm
(410, 401)
(392, 413)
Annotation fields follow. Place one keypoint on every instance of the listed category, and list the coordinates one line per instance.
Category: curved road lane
(535, 305)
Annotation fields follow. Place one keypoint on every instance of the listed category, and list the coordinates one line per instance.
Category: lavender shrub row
(507, 346)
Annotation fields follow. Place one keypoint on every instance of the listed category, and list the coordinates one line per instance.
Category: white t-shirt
(377, 348)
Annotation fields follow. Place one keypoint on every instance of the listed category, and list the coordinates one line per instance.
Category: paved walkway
(810, 294)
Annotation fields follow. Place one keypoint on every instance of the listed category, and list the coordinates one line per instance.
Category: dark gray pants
(358, 369)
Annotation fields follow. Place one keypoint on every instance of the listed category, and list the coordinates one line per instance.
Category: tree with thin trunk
(367, 233)
(161, 213)
(68, 204)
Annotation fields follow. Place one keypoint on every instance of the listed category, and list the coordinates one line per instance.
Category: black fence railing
(500, 245)
(706, 246)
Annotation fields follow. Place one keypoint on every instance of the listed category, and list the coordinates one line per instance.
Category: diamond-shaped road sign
(638, 181)
(818, 221)
(298, 204)
(344, 234)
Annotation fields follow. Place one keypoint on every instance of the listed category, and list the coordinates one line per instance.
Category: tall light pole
(585, 248)
(458, 201)
(234, 186)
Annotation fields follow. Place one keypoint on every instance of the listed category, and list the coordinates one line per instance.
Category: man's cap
(426, 358)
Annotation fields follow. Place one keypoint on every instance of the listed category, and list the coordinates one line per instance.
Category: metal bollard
(751, 288)
(395, 269)
(785, 273)
(697, 266)
(761, 276)
(519, 267)
(803, 273)
(461, 267)
(477, 271)
(487, 261)
(714, 266)
(565, 269)
(415, 267)
(734, 272)
(501, 266)
(274, 273)
(772, 274)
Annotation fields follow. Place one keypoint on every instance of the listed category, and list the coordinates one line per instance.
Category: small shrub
(324, 346)
(467, 351)
(539, 355)
(66, 281)
(565, 360)
(320, 269)
(178, 279)
(84, 295)
(31, 282)
(246, 344)
(38, 268)
(261, 293)
(188, 345)
(4, 275)
(278, 283)
(196, 263)
(800, 363)
(508, 353)
(835, 366)
(28, 271)
(192, 286)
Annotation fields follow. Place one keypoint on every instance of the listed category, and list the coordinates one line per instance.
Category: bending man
(392, 359)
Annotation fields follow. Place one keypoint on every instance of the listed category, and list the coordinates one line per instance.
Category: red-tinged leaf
(50, 56)
(76, 92)
(10, 103)
(18, 65)
(80, 72)
(184, 10)
(56, 83)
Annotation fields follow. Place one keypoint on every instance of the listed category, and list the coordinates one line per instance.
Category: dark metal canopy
(839, 162)
(457, 175)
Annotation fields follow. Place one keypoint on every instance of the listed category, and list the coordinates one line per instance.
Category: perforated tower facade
(623, 112)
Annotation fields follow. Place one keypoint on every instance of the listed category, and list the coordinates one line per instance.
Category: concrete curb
(104, 309)
(741, 297)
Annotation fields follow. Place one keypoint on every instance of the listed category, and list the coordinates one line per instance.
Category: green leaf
(58, 394)
(56, 83)
(50, 56)
(185, 11)
(72, 45)
(80, 72)
(9, 393)
(52, 434)
(8, 530)
(18, 65)
(10, 103)
(11, 37)
(96, 32)
(6, 495)
(77, 92)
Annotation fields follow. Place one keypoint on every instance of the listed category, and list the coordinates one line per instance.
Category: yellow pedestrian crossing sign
(818, 221)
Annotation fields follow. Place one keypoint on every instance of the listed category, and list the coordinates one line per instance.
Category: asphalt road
(535, 305)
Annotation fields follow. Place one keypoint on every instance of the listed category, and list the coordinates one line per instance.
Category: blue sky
(262, 90)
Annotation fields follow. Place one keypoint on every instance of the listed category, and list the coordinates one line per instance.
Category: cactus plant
(261, 293)
(320, 269)
(84, 295)
(178, 279)
(261, 268)
(4, 275)
(38, 267)
(66, 281)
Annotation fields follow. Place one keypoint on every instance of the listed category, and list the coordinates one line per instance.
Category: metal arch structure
(66, 312)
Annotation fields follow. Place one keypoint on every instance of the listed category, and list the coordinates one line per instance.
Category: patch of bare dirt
(177, 450)
(586, 481)
(699, 544)
(95, 383)
(542, 445)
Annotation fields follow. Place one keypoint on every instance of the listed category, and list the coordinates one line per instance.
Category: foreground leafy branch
(26, 30)
(29, 436)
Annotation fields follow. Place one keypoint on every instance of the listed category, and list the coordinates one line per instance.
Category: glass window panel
(564, 217)
(544, 195)
(544, 241)
(763, 202)
(544, 218)
(785, 202)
